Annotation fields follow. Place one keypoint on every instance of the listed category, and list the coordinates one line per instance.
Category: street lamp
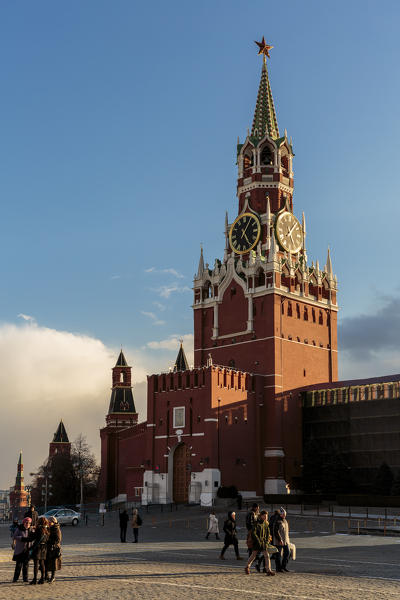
(46, 487)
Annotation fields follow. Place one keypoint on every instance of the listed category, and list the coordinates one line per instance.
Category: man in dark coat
(32, 514)
(123, 524)
(230, 536)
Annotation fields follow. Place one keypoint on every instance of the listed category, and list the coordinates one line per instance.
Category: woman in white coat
(213, 525)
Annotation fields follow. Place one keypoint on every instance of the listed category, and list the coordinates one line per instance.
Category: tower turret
(181, 363)
(60, 443)
(18, 495)
(122, 409)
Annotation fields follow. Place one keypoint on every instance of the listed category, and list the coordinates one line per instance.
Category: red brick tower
(60, 443)
(121, 415)
(264, 309)
(18, 495)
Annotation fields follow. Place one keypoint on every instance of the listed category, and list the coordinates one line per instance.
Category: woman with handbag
(38, 551)
(21, 552)
(53, 557)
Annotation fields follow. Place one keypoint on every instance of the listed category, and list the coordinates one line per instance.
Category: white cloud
(153, 317)
(27, 318)
(159, 306)
(48, 375)
(166, 290)
(173, 272)
(169, 271)
(115, 277)
(172, 344)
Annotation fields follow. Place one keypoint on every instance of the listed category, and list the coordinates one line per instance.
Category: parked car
(65, 516)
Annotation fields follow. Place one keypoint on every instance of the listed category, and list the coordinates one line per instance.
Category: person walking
(53, 556)
(251, 520)
(260, 560)
(213, 526)
(261, 538)
(230, 536)
(21, 552)
(13, 527)
(38, 550)
(123, 524)
(136, 523)
(281, 541)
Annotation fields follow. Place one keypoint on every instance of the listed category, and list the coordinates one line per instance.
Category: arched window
(267, 157)
(121, 378)
(321, 318)
(207, 290)
(260, 279)
(298, 311)
(248, 159)
(305, 314)
(289, 309)
(313, 315)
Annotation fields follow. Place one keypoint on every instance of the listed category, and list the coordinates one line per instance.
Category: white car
(65, 516)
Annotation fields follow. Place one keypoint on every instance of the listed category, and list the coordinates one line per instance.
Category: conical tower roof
(265, 120)
(121, 362)
(60, 435)
(181, 363)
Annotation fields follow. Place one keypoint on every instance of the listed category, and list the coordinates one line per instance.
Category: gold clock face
(289, 232)
(244, 233)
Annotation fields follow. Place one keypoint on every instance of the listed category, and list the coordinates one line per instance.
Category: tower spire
(181, 363)
(200, 269)
(264, 120)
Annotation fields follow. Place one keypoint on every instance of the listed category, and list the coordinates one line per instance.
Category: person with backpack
(136, 523)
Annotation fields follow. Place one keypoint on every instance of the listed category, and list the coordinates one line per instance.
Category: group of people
(136, 523)
(266, 539)
(39, 540)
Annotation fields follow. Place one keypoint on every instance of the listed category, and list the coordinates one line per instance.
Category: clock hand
(244, 234)
(245, 229)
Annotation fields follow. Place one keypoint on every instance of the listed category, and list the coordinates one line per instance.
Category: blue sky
(119, 123)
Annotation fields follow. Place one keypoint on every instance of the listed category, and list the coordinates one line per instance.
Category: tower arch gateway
(179, 473)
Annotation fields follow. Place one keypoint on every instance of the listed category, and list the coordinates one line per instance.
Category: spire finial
(328, 266)
(264, 120)
(200, 269)
(263, 48)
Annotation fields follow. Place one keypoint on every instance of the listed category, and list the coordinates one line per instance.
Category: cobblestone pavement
(174, 561)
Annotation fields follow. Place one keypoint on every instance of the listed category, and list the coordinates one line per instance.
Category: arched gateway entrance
(181, 473)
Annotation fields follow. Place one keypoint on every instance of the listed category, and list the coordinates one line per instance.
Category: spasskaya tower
(264, 308)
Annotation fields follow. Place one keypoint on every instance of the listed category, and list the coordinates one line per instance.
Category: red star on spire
(264, 48)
